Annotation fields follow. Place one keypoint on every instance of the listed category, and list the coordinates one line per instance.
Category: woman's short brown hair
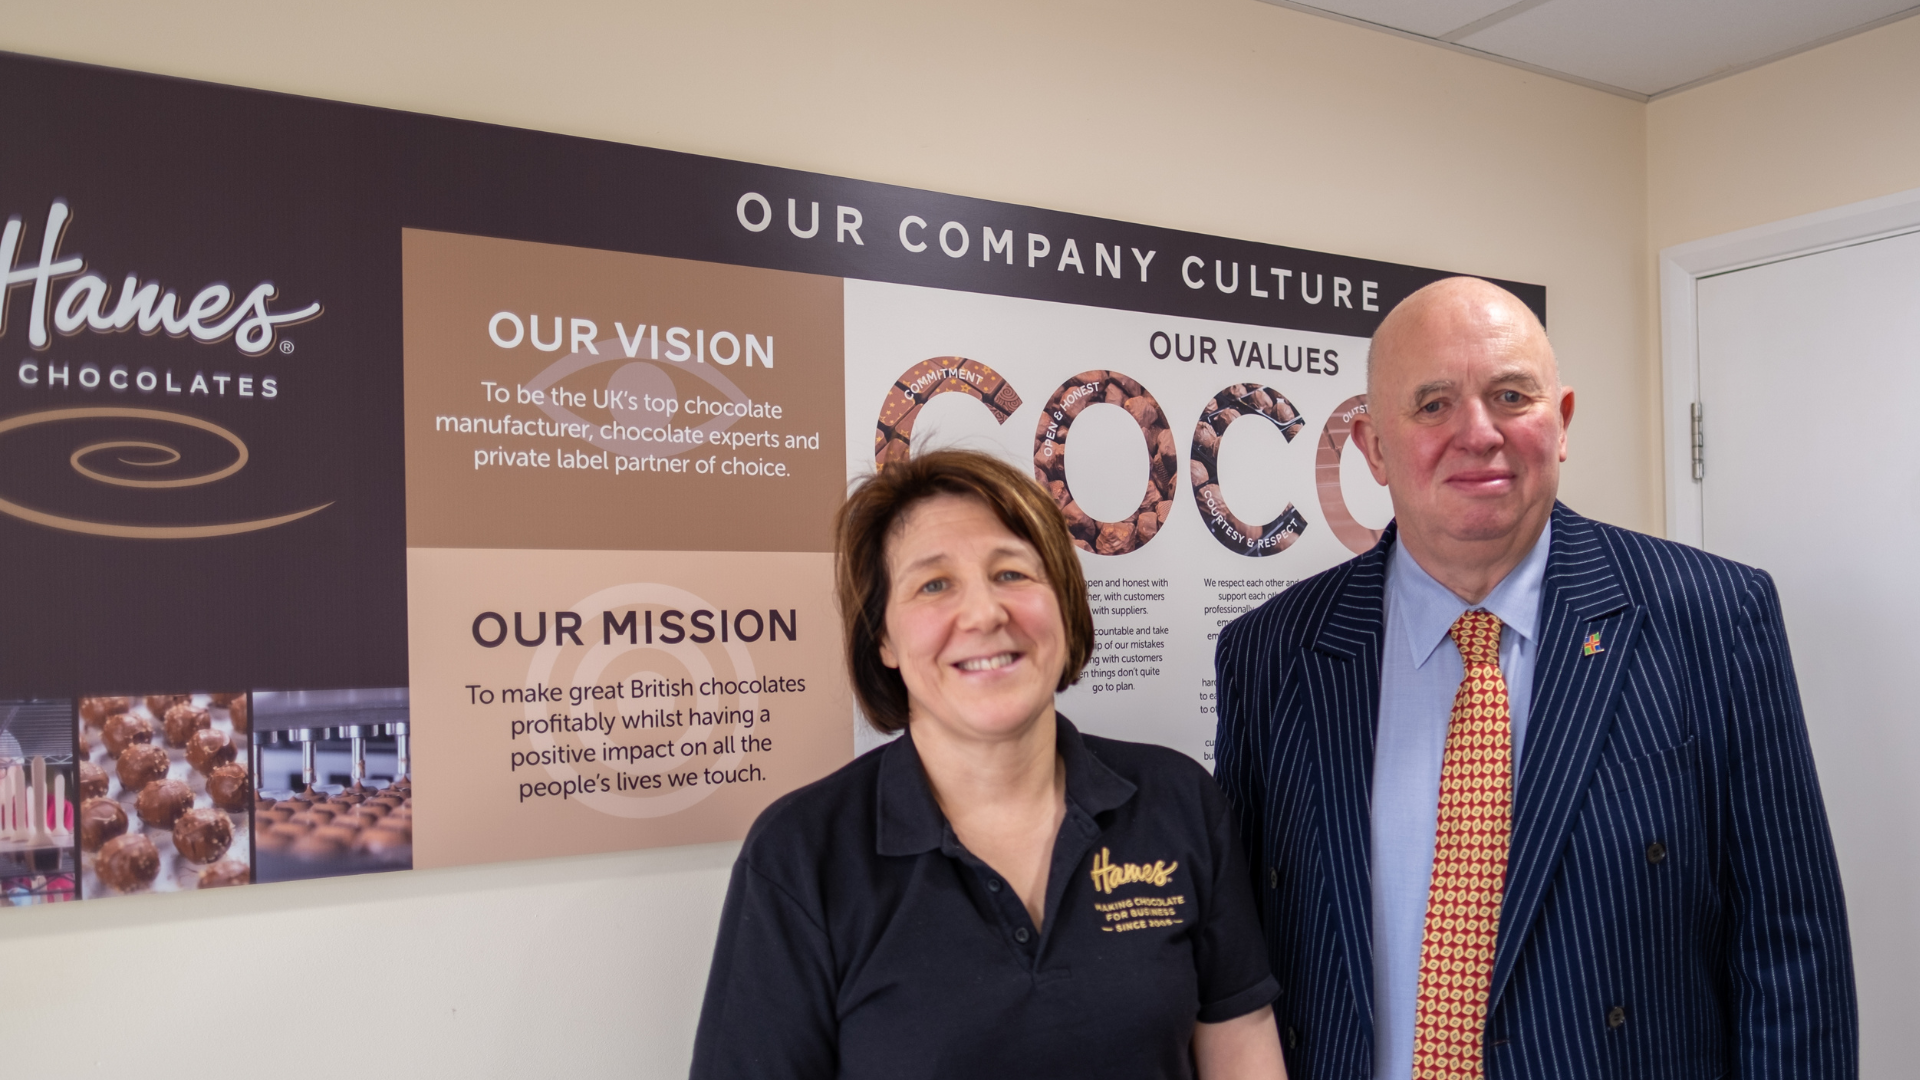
(865, 523)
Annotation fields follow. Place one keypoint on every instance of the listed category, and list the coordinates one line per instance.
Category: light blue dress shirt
(1420, 672)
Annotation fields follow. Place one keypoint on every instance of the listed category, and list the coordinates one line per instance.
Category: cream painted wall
(1224, 116)
(1822, 129)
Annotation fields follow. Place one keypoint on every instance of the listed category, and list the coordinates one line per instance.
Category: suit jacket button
(1616, 1017)
(1293, 1038)
(1656, 853)
(1273, 876)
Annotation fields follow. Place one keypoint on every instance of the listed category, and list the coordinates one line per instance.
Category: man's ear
(1367, 438)
(1566, 418)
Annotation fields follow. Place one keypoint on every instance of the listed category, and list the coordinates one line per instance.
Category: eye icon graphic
(138, 455)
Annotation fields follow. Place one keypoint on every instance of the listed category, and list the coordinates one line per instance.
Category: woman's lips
(995, 662)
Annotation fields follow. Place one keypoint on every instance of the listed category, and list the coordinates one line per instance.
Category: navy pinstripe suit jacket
(1728, 957)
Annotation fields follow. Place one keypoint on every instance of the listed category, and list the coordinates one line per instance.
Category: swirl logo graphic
(86, 461)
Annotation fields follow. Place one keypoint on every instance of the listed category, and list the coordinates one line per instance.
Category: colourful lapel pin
(1592, 645)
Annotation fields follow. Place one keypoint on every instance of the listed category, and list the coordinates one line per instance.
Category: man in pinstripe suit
(1526, 795)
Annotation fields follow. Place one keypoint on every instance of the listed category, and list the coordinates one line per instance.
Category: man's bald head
(1457, 309)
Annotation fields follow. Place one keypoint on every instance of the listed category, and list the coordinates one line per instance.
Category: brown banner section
(570, 702)
(567, 398)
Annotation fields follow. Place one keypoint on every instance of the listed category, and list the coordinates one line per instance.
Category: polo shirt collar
(1429, 609)
(910, 821)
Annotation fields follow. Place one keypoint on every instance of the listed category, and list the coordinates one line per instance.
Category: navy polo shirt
(860, 939)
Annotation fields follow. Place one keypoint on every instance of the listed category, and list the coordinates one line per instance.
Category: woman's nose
(980, 608)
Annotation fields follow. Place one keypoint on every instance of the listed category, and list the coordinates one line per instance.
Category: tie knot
(1477, 635)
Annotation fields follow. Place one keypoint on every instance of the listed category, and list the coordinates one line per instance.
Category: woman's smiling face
(973, 626)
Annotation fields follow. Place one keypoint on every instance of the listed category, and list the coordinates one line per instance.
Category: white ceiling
(1639, 48)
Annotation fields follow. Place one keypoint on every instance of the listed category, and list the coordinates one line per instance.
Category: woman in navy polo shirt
(993, 893)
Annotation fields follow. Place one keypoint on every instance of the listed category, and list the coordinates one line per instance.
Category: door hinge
(1699, 447)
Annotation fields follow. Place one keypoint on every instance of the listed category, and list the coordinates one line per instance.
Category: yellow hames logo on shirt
(1109, 875)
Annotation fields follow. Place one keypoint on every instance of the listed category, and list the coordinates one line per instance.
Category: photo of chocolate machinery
(335, 792)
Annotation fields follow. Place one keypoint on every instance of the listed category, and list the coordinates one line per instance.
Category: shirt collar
(1429, 609)
(910, 821)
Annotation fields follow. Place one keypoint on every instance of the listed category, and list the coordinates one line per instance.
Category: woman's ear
(886, 654)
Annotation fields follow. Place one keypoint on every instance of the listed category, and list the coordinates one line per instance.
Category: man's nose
(1477, 433)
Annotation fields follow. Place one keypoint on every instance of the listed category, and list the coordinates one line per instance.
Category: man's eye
(1430, 407)
(1510, 397)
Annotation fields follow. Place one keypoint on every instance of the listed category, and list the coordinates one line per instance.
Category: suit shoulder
(1289, 613)
(1667, 571)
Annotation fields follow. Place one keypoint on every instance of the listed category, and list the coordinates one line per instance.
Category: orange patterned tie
(1469, 863)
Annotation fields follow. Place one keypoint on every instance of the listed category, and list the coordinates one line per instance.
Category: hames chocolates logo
(129, 475)
(87, 301)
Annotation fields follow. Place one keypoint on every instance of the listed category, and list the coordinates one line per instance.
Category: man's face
(1466, 421)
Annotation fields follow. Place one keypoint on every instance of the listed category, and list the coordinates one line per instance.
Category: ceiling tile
(1654, 45)
(1429, 17)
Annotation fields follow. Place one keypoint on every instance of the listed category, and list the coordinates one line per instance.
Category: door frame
(1681, 268)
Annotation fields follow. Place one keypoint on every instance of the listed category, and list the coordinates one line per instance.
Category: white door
(1810, 395)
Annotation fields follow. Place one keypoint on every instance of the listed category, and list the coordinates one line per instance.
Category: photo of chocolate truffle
(145, 780)
(238, 712)
(95, 710)
(182, 720)
(100, 821)
(141, 765)
(229, 789)
(221, 701)
(224, 873)
(93, 780)
(162, 802)
(127, 863)
(202, 835)
(122, 730)
(209, 749)
(381, 841)
(158, 704)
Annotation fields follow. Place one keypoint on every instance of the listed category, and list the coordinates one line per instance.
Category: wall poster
(384, 491)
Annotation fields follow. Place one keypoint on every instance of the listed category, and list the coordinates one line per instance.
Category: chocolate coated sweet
(158, 704)
(93, 780)
(100, 821)
(315, 846)
(238, 711)
(221, 701)
(209, 749)
(127, 863)
(383, 842)
(229, 788)
(273, 843)
(162, 802)
(225, 873)
(122, 730)
(141, 765)
(183, 720)
(202, 835)
(95, 710)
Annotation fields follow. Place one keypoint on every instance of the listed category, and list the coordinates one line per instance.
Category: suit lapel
(1574, 690)
(1343, 680)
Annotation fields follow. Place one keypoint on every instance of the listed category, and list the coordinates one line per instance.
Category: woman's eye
(935, 586)
(1010, 575)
